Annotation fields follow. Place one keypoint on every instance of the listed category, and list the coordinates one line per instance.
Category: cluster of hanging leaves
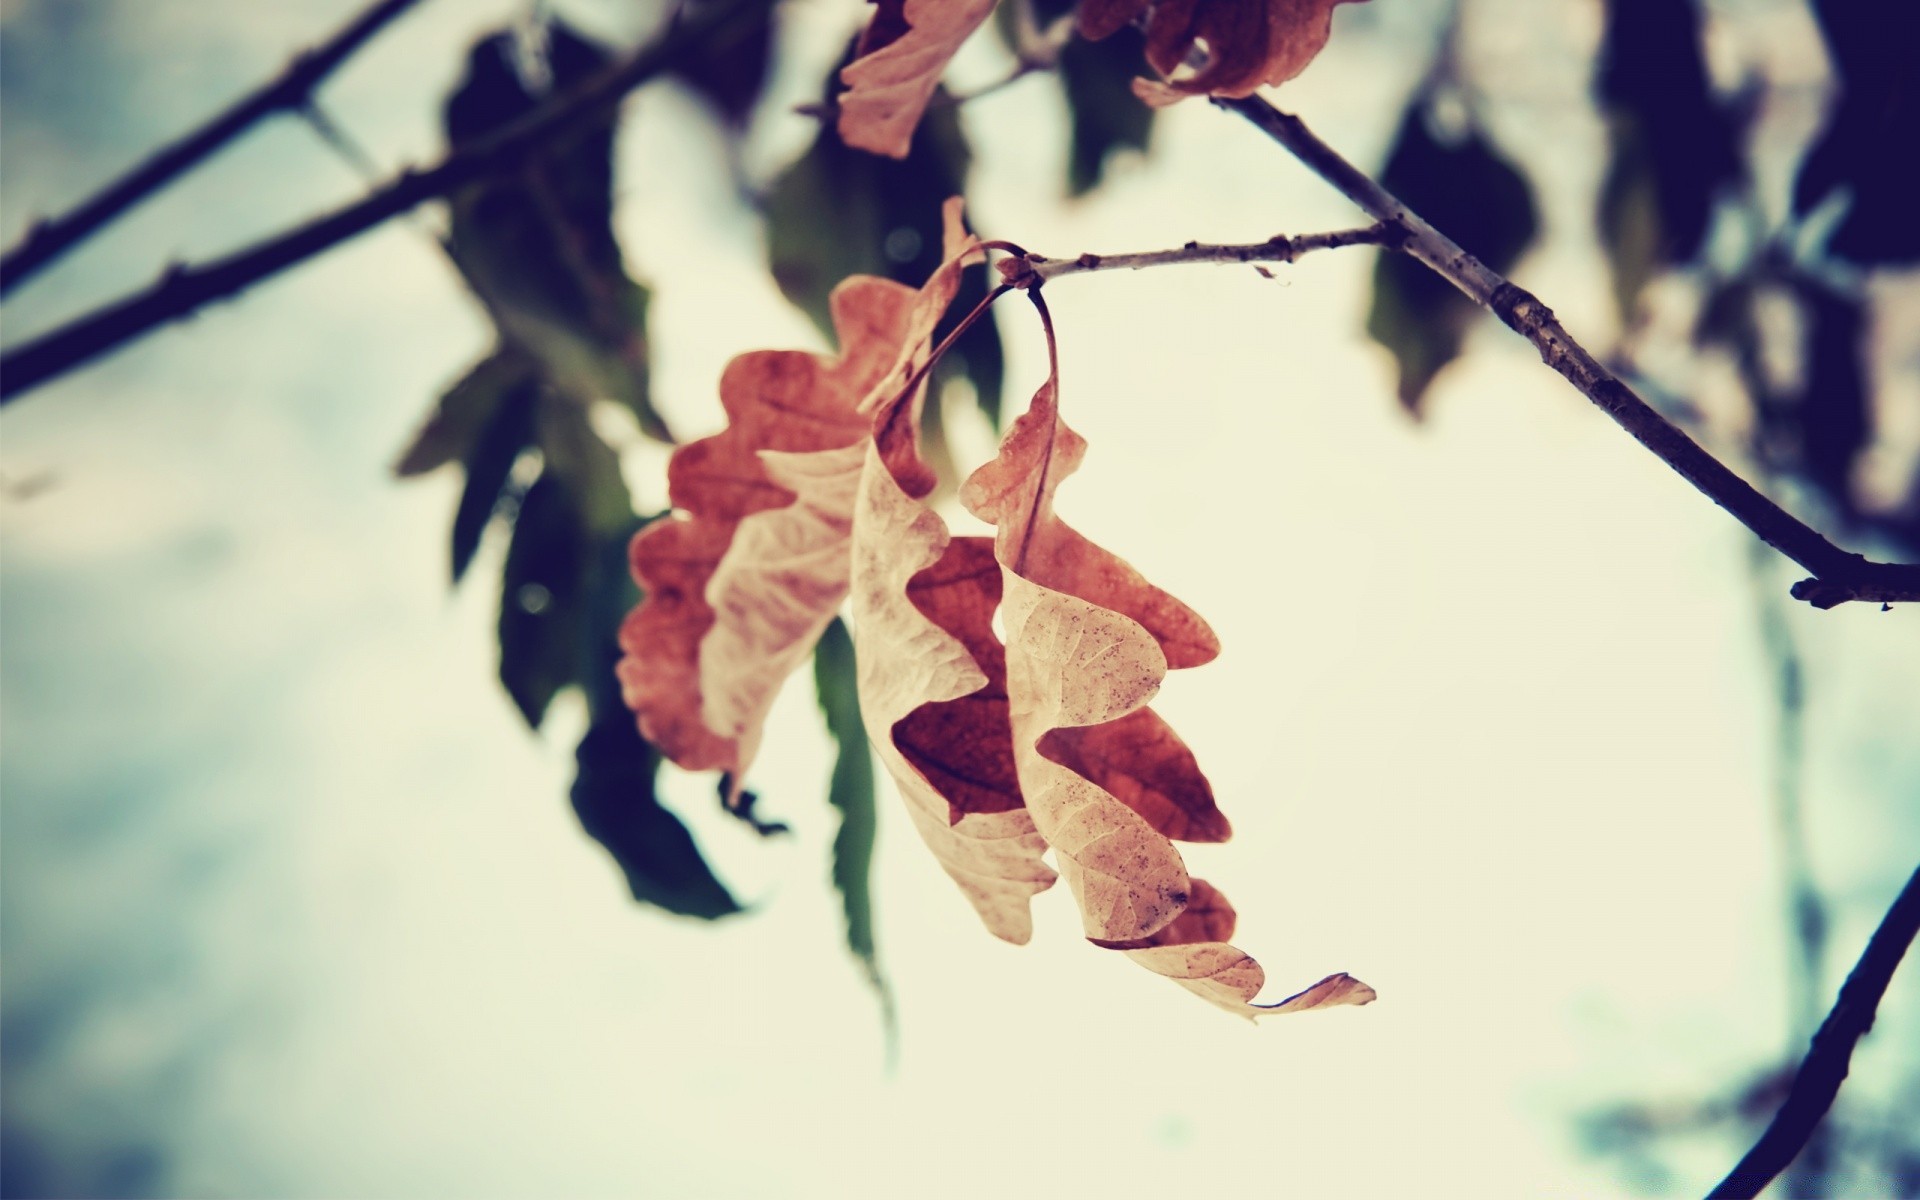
(537, 249)
(815, 495)
(742, 584)
(1678, 167)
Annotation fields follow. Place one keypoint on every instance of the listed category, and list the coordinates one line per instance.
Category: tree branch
(1838, 575)
(1027, 270)
(183, 289)
(1827, 1060)
(47, 240)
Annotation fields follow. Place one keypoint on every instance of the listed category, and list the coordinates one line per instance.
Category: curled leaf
(896, 67)
(1088, 641)
(1248, 44)
(788, 402)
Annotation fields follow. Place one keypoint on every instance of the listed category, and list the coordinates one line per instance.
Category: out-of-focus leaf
(1106, 115)
(613, 791)
(729, 70)
(489, 463)
(614, 798)
(1873, 48)
(1673, 146)
(456, 422)
(838, 212)
(851, 792)
(590, 468)
(542, 597)
(1831, 418)
(537, 245)
(1468, 189)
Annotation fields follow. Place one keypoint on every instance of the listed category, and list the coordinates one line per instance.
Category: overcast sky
(293, 905)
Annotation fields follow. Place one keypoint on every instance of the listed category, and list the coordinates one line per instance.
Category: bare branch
(1026, 270)
(183, 289)
(1825, 1066)
(47, 240)
(1839, 576)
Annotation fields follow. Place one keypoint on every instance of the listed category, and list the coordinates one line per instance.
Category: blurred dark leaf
(838, 212)
(1873, 48)
(577, 456)
(489, 463)
(613, 792)
(454, 427)
(1466, 188)
(730, 71)
(543, 597)
(851, 792)
(537, 246)
(1106, 115)
(613, 795)
(1831, 421)
(1674, 148)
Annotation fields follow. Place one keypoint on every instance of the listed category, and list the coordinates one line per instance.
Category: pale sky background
(294, 906)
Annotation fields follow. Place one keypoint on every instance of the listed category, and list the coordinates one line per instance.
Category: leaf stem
(1838, 575)
(1828, 1058)
(290, 91)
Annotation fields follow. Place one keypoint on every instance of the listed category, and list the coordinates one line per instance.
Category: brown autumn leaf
(1088, 642)
(699, 674)
(1194, 953)
(1249, 44)
(896, 67)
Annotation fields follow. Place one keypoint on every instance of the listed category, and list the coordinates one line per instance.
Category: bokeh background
(295, 905)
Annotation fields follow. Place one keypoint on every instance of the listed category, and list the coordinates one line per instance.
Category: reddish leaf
(899, 62)
(1249, 44)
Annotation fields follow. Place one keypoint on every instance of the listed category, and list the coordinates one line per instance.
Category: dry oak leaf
(716, 632)
(1088, 642)
(1193, 952)
(896, 67)
(1249, 44)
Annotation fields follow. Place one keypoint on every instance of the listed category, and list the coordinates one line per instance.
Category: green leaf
(613, 790)
(1468, 189)
(613, 796)
(537, 244)
(851, 792)
(837, 212)
(1871, 46)
(542, 597)
(729, 71)
(489, 465)
(456, 423)
(1674, 147)
(1106, 115)
(576, 454)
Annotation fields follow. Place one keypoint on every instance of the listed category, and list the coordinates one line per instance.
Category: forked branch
(1838, 575)
(293, 89)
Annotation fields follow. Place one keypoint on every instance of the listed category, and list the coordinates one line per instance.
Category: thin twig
(47, 240)
(1027, 270)
(1838, 576)
(183, 289)
(1825, 1066)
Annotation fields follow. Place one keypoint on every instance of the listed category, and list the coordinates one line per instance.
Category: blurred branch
(291, 91)
(1825, 1066)
(1838, 576)
(181, 290)
(1027, 270)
